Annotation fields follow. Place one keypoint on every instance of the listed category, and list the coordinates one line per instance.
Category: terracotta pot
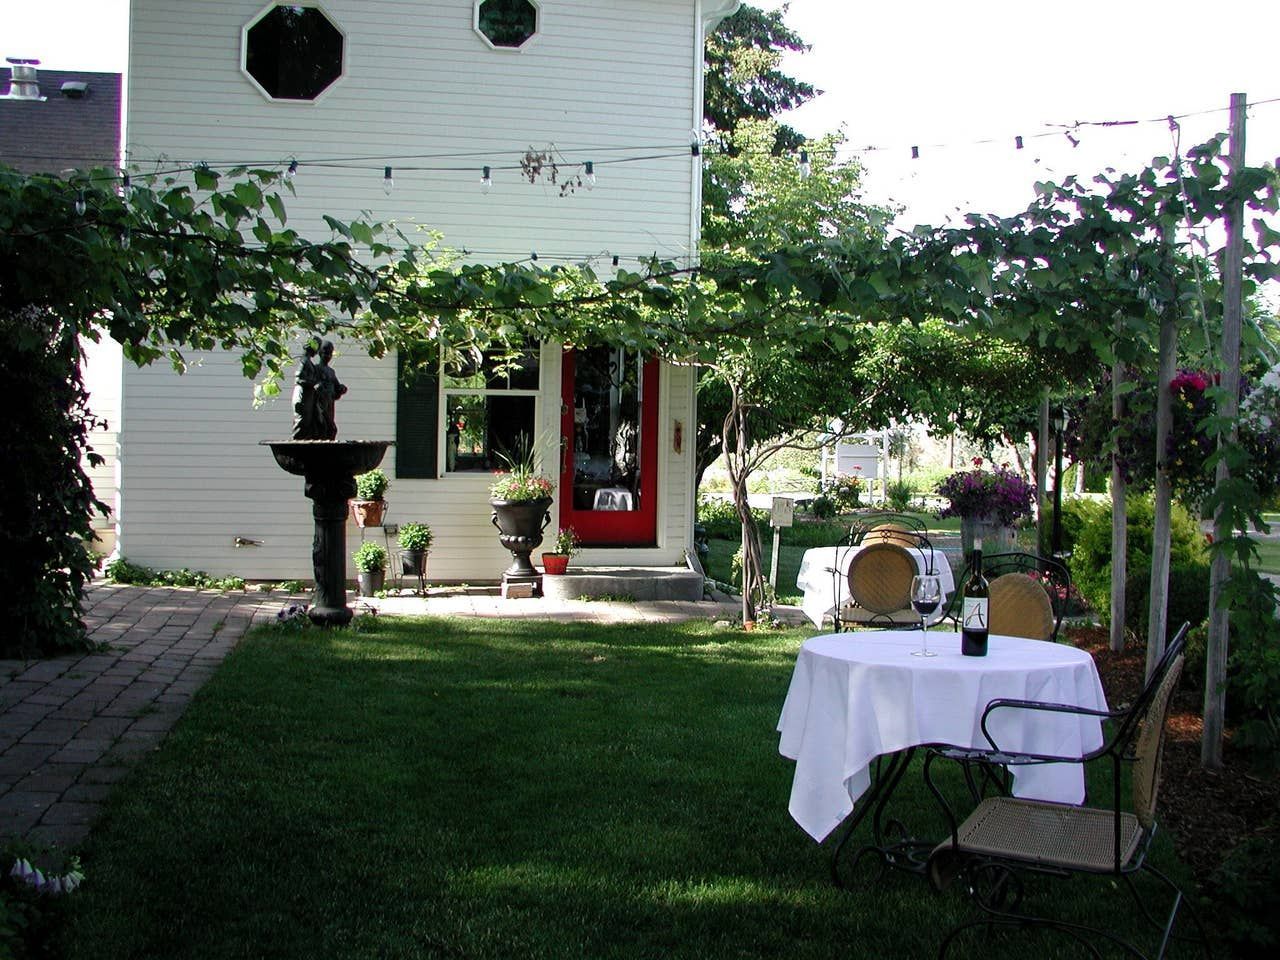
(368, 513)
(555, 563)
(748, 625)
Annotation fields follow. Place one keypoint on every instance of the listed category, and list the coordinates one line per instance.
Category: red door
(609, 446)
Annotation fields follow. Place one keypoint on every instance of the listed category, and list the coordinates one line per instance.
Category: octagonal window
(508, 24)
(293, 52)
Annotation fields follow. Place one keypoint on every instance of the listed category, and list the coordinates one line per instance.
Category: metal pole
(1057, 492)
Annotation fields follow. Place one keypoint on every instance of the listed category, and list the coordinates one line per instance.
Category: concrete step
(640, 583)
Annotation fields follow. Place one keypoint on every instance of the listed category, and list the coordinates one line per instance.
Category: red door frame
(599, 528)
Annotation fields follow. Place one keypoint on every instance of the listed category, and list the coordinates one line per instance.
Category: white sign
(784, 511)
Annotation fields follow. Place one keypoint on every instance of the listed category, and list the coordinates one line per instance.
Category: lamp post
(1060, 421)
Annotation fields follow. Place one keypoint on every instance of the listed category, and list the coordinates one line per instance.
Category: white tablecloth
(820, 585)
(855, 696)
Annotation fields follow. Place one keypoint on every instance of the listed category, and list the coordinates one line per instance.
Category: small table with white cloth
(856, 697)
(824, 578)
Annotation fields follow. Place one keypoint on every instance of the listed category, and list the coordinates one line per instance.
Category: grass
(445, 788)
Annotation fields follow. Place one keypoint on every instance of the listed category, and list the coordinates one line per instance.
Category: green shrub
(370, 557)
(1188, 599)
(900, 494)
(720, 517)
(1253, 680)
(823, 507)
(845, 492)
(1076, 513)
(372, 485)
(415, 536)
(814, 534)
(1246, 897)
(1091, 556)
(122, 571)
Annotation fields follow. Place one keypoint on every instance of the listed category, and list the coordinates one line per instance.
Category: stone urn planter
(996, 537)
(520, 524)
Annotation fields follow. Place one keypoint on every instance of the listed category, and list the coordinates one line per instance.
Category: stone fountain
(329, 467)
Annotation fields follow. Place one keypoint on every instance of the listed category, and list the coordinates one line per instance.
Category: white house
(436, 91)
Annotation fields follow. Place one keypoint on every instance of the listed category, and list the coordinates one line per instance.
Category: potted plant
(520, 498)
(371, 567)
(369, 508)
(415, 542)
(564, 547)
(988, 502)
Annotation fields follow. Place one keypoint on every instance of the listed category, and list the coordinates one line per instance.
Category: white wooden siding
(608, 79)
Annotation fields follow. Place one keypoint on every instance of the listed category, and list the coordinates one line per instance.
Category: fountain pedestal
(329, 468)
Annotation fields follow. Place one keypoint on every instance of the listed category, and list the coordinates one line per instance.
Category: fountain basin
(327, 458)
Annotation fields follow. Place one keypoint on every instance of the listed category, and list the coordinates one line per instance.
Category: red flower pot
(555, 563)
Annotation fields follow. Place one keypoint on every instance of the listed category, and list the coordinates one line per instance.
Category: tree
(743, 81)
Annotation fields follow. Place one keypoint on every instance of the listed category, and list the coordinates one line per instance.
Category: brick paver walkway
(71, 727)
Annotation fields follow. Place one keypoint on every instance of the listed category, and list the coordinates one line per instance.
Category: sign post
(784, 511)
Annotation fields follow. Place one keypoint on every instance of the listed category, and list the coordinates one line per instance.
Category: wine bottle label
(974, 613)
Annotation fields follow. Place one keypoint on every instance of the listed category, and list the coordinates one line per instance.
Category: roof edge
(713, 11)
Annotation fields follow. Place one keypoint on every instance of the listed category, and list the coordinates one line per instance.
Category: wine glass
(926, 594)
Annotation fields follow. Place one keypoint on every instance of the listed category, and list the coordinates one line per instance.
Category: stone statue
(316, 389)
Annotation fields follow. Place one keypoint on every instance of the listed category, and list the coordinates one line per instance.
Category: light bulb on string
(486, 180)
(81, 206)
(806, 168)
(388, 184)
(590, 175)
(126, 188)
(292, 171)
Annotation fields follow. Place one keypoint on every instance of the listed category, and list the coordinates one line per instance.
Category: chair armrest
(1043, 707)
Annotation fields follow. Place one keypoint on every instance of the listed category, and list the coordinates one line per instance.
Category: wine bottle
(975, 613)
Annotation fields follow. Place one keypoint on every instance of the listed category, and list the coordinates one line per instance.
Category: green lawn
(445, 788)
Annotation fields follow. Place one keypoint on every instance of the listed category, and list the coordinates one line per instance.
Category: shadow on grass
(491, 789)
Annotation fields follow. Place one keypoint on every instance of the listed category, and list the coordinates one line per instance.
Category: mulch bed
(1207, 812)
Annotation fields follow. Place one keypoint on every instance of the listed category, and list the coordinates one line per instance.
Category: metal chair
(1029, 595)
(880, 581)
(1005, 837)
(883, 519)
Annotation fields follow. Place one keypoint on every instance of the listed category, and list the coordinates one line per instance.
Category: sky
(939, 75)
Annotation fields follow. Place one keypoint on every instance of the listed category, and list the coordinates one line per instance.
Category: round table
(857, 696)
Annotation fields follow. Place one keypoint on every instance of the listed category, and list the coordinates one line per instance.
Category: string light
(486, 180)
(590, 175)
(80, 204)
(806, 168)
(1017, 142)
(126, 188)
(292, 171)
(915, 153)
(388, 184)
(126, 239)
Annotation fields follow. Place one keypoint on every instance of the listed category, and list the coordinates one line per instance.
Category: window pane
(294, 52)
(499, 370)
(606, 436)
(481, 429)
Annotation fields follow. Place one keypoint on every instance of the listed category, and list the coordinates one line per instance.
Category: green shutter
(417, 423)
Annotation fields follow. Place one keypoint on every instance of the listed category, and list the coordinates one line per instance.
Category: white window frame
(446, 391)
(537, 28)
(244, 53)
